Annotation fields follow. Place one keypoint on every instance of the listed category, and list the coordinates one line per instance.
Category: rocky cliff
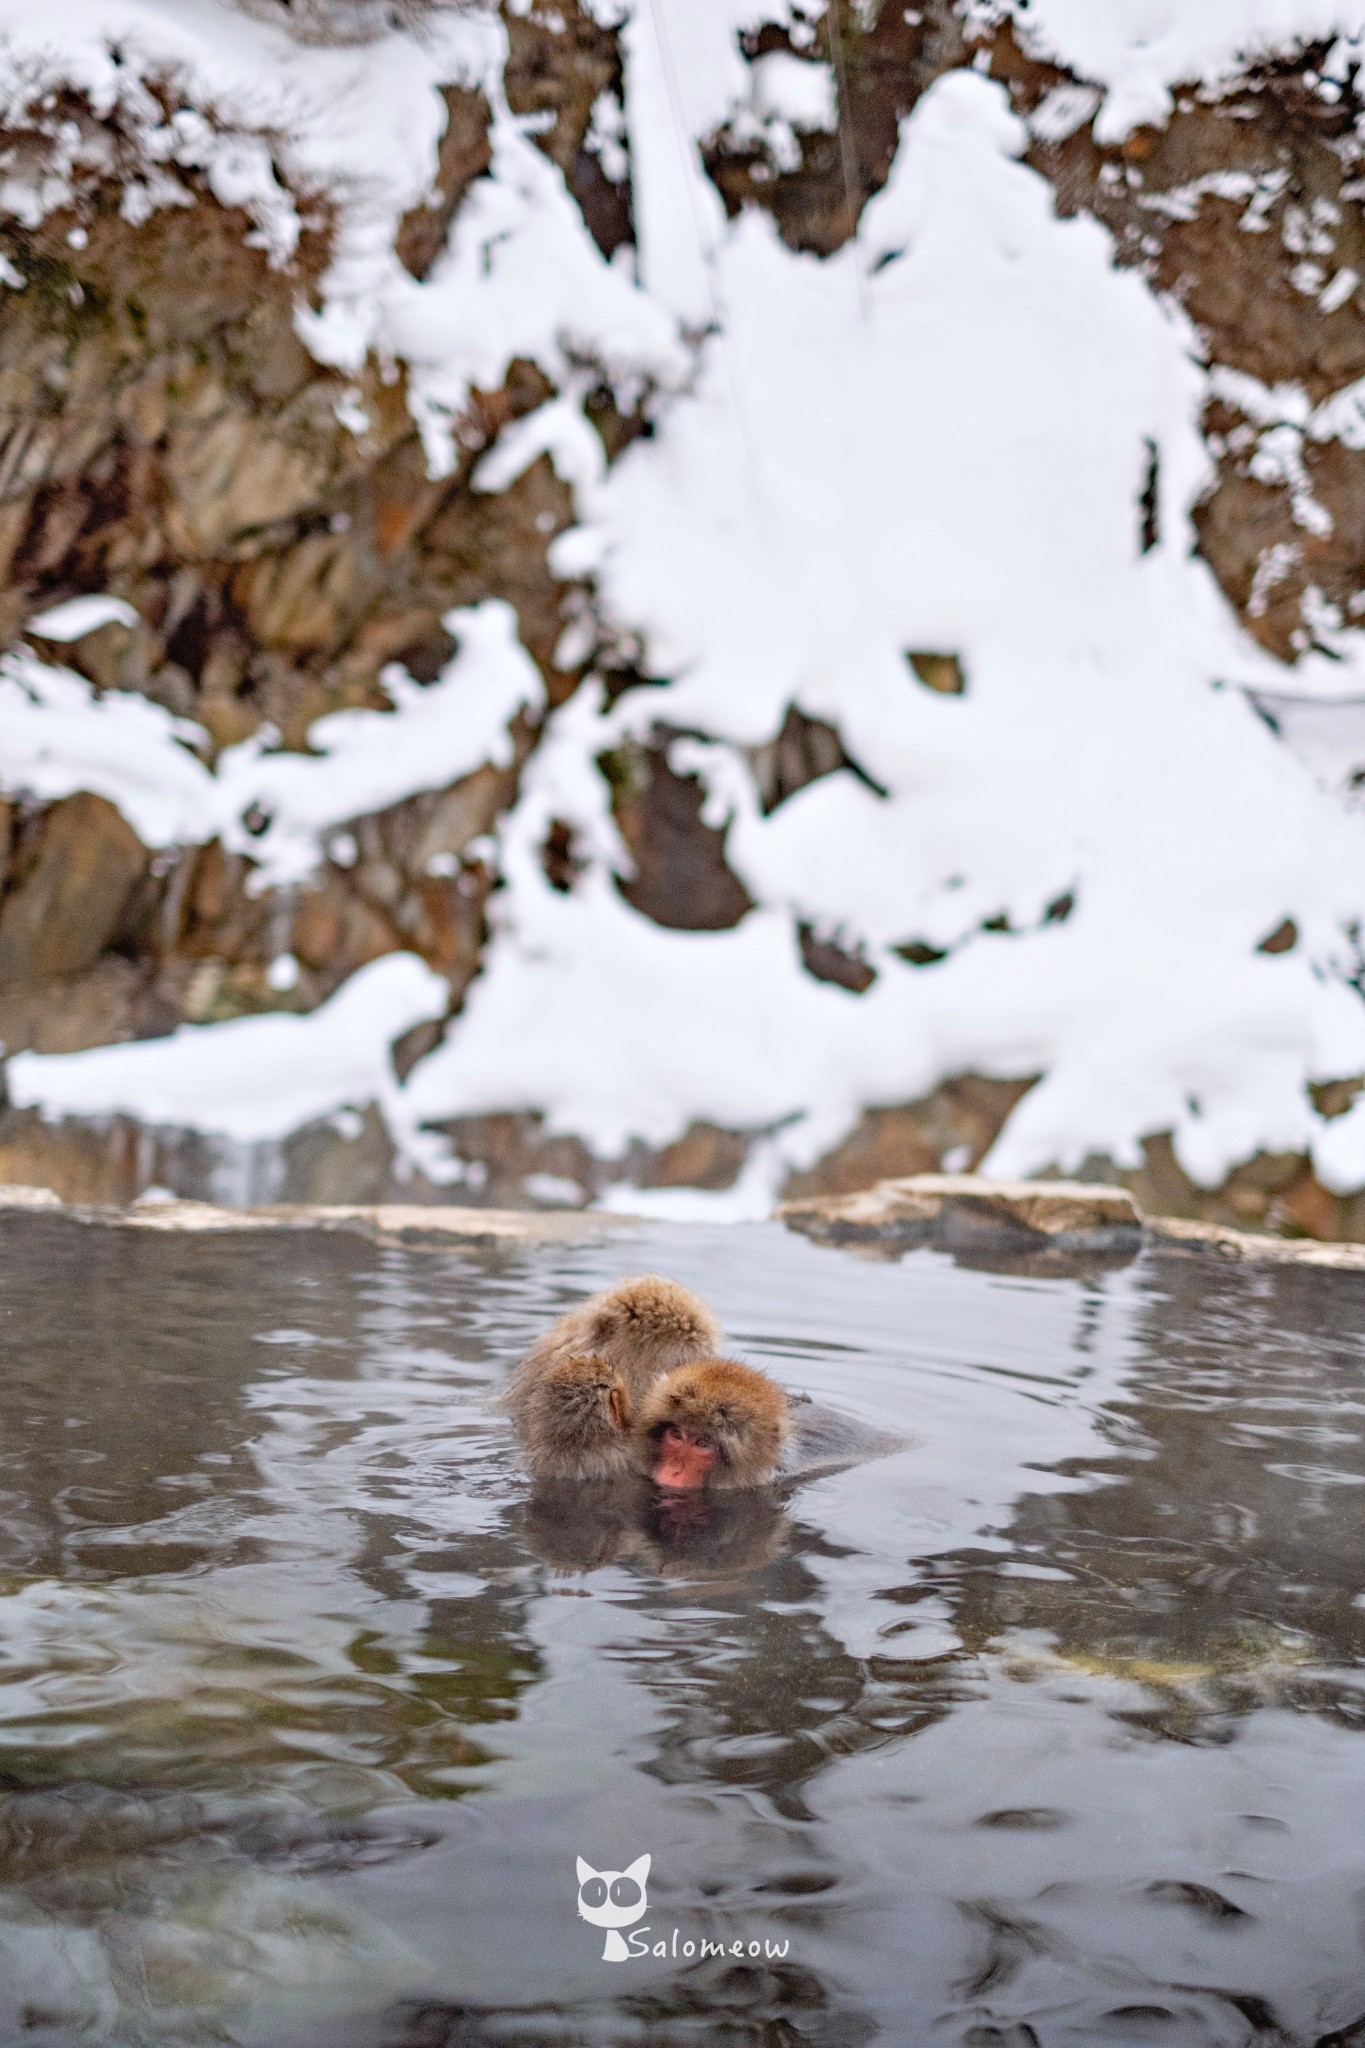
(285, 528)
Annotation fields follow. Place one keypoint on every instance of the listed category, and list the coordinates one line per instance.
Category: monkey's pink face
(685, 1457)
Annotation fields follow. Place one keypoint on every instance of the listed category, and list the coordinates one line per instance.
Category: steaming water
(1049, 1729)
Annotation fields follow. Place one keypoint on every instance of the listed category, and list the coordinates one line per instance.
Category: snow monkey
(575, 1420)
(640, 1328)
(714, 1424)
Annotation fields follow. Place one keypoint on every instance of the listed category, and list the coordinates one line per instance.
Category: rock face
(74, 870)
(273, 522)
(680, 877)
(955, 1125)
(170, 440)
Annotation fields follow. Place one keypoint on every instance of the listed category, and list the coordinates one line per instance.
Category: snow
(363, 123)
(364, 761)
(251, 1078)
(58, 735)
(794, 89)
(1005, 527)
(937, 439)
(79, 615)
(786, 93)
(521, 276)
(684, 76)
(1139, 49)
(557, 429)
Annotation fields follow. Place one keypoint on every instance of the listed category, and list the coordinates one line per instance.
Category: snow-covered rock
(779, 605)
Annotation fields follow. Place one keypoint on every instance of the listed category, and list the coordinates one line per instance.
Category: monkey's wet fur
(636, 1442)
(641, 1328)
(575, 1420)
(717, 1425)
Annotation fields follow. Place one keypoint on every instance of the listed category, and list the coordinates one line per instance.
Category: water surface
(1049, 1729)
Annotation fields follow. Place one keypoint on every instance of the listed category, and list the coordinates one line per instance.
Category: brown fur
(575, 1423)
(742, 1411)
(641, 1327)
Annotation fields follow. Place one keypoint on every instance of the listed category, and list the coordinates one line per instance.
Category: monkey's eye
(625, 1892)
(707, 1443)
(594, 1892)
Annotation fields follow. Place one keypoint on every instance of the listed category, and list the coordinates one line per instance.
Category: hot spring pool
(1049, 1729)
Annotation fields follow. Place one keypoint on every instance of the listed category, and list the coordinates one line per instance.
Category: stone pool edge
(1057, 1217)
(387, 1222)
(872, 1213)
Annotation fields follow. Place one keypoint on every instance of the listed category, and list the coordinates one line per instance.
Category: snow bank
(935, 440)
(252, 1078)
(861, 469)
(1139, 49)
(58, 735)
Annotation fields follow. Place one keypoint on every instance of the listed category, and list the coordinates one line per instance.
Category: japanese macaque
(641, 1328)
(823, 1441)
(575, 1421)
(726, 1519)
(715, 1424)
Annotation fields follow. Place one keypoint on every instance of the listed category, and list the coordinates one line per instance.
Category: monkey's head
(647, 1326)
(578, 1420)
(713, 1424)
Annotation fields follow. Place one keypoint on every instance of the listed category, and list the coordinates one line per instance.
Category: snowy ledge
(873, 1216)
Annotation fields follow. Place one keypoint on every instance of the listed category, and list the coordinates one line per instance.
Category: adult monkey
(575, 1421)
(640, 1328)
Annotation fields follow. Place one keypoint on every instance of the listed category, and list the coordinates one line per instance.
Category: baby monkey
(640, 1328)
(715, 1425)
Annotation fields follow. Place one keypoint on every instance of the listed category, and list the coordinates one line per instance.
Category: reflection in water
(1046, 1729)
(161, 1920)
(1225, 1570)
(578, 1526)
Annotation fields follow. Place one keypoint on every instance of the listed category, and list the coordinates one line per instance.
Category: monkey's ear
(585, 1871)
(639, 1870)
